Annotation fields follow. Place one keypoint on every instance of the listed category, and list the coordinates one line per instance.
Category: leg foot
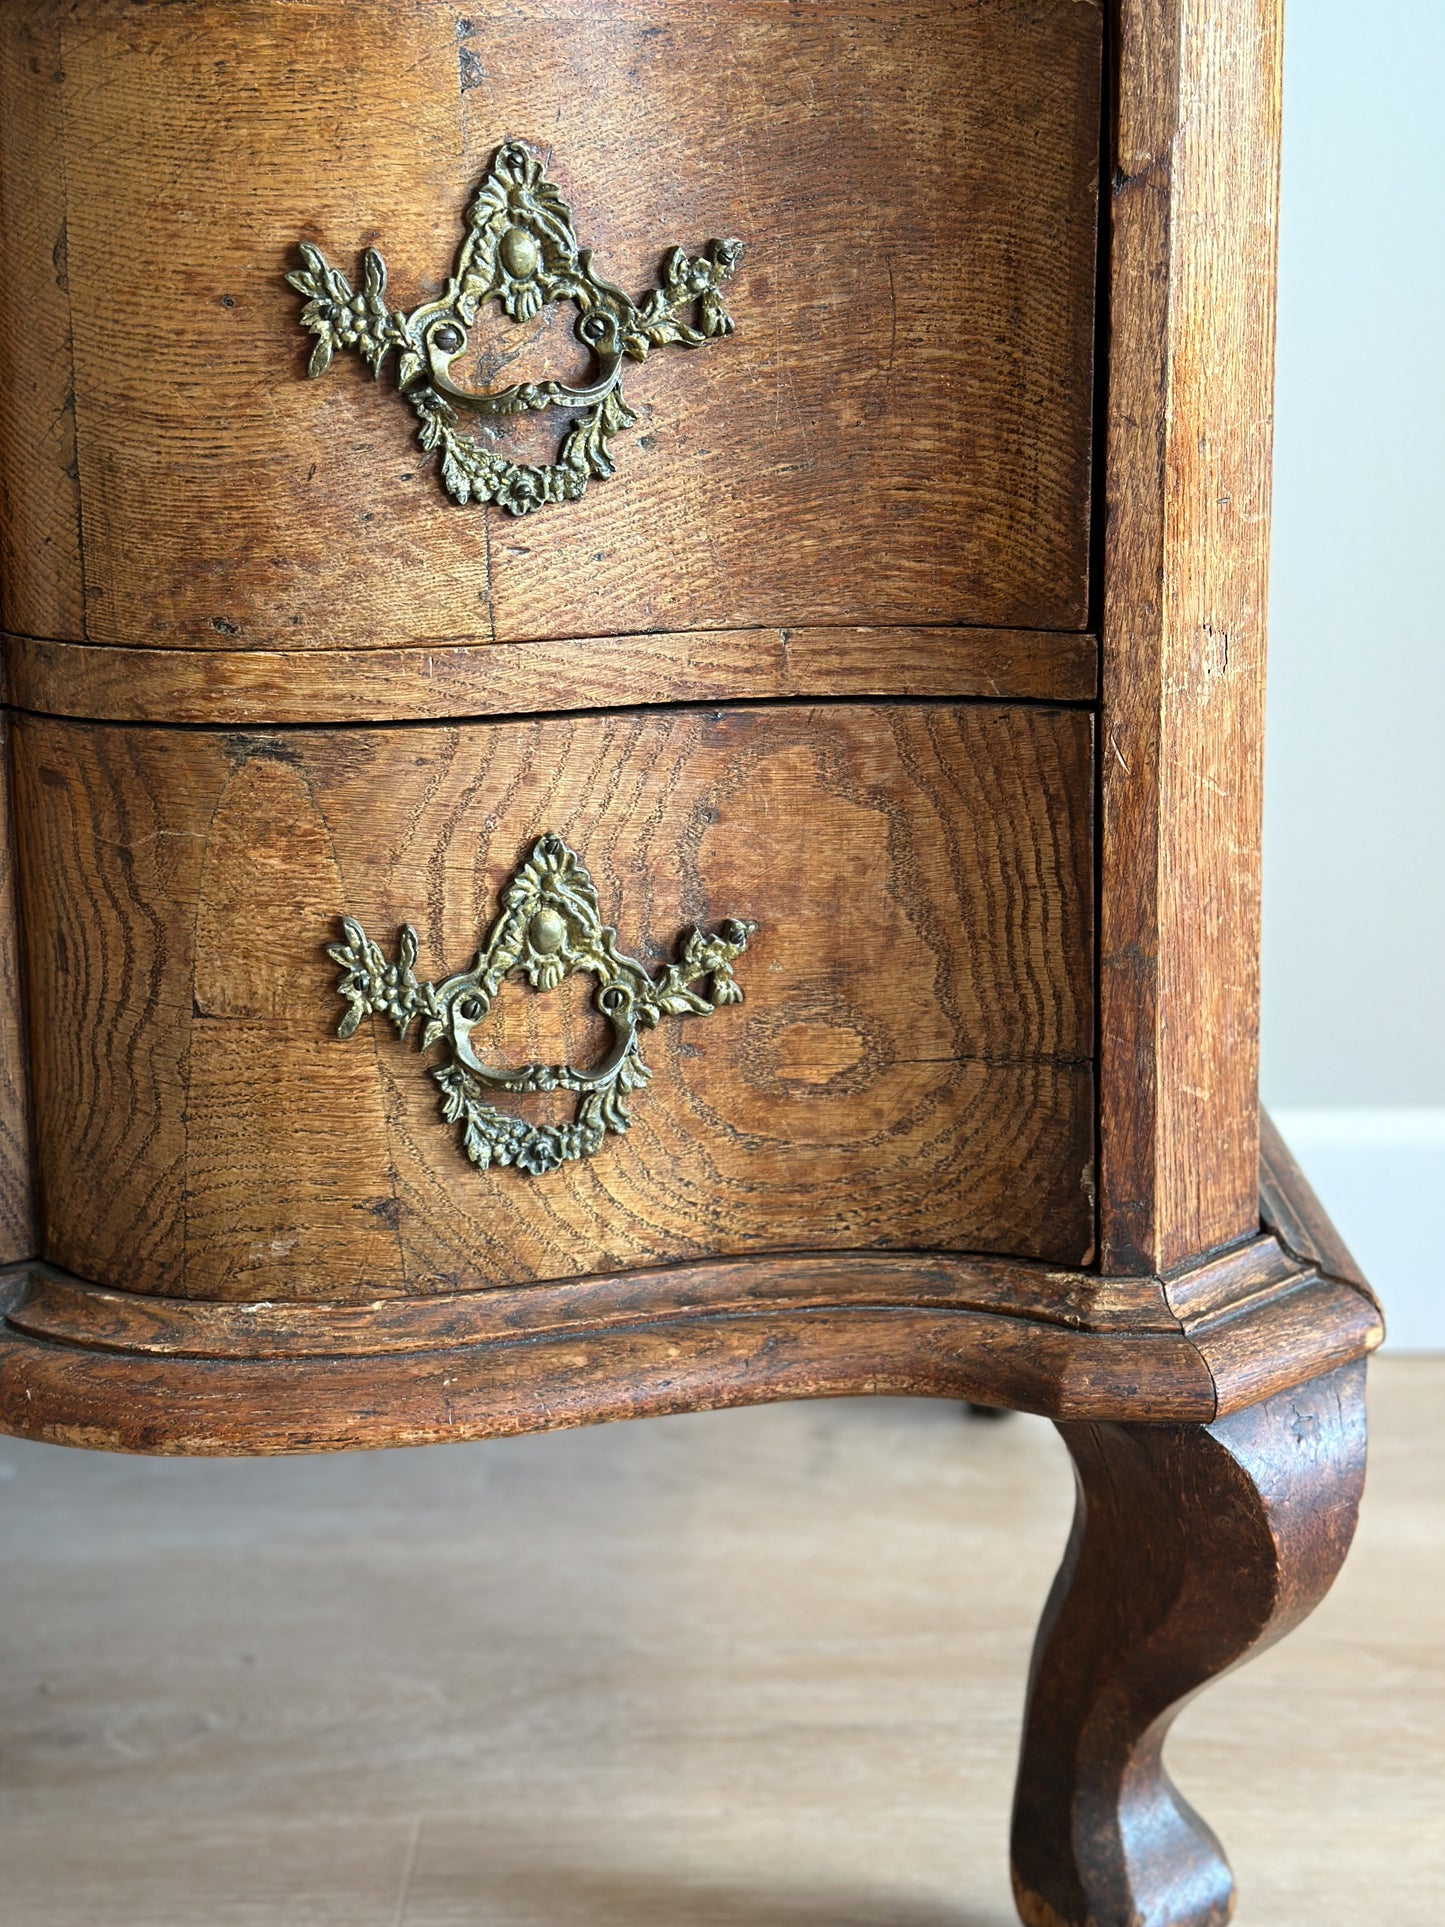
(1193, 1546)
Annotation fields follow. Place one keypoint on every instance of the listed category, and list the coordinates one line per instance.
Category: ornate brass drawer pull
(522, 250)
(550, 927)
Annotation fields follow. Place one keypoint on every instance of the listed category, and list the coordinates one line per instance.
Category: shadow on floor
(569, 1897)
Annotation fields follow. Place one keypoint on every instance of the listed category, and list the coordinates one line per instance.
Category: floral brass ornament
(550, 927)
(521, 250)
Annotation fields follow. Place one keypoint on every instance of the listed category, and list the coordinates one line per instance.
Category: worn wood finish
(1261, 1281)
(899, 432)
(1188, 466)
(40, 565)
(59, 1309)
(114, 1371)
(1252, 1321)
(144, 1403)
(1192, 1548)
(594, 672)
(17, 1184)
(911, 1066)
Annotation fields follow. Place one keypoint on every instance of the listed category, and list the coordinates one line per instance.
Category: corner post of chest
(1186, 419)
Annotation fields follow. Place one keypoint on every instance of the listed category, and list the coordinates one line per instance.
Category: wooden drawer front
(911, 1066)
(897, 433)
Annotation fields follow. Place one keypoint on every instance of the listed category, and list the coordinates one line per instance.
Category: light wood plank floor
(755, 1669)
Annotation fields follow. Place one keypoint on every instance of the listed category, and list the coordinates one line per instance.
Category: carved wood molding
(134, 1373)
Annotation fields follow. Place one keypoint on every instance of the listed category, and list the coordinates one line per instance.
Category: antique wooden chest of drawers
(606, 820)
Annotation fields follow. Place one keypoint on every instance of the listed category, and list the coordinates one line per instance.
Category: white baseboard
(1380, 1173)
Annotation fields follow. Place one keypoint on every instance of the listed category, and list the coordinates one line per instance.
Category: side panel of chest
(910, 1067)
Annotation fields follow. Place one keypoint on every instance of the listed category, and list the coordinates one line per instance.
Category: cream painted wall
(1354, 961)
(1354, 947)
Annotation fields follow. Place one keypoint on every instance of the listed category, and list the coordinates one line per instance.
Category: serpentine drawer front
(908, 1067)
(897, 433)
(695, 383)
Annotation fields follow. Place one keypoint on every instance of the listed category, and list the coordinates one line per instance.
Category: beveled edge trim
(102, 682)
(131, 1403)
(1230, 1279)
(50, 1305)
(739, 1339)
(1288, 1205)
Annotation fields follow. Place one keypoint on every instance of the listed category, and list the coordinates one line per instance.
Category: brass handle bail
(550, 928)
(521, 250)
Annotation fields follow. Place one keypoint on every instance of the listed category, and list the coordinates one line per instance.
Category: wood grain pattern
(596, 672)
(41, 589)
(1257, 1351)
(911, 1067)
(1188, 467)
(899, 432)
(1192, 1548)
(17, 1182)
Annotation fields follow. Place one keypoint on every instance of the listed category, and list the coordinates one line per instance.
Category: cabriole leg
(1193, 1546)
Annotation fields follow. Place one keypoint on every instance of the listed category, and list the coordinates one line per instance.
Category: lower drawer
(910, 1067)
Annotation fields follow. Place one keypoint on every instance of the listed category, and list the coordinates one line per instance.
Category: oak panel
(1194, 212)
(911, 1068)
(40, 565)
(39, 488)
(898, 432)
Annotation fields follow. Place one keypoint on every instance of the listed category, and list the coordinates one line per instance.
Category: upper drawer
(897, 433)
